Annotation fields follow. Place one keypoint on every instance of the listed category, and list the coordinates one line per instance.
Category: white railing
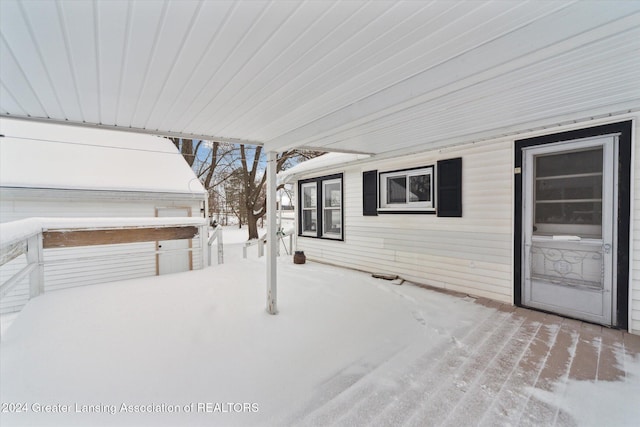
(32, 236)
(216, 235)
(281, 235)
(31, 246)
(262, 241)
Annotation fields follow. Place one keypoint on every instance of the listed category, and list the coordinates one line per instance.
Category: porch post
(272, 237)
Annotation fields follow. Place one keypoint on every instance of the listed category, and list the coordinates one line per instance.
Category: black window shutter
(370, 193)
(450, 187)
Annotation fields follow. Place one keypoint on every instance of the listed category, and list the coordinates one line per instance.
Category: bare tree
(234, 196)
(234, 178)
(254, 201)
(254, 186)
(213, 163)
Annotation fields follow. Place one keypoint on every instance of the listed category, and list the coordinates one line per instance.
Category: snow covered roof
(328, 160)
(42, 155)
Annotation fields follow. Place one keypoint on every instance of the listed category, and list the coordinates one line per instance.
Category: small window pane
(572, 163)
(420, 188)
(309, 196)
(332, 221)
(397, 189)
(332, 197)
(309, 221)
(576, 213)
(585, 187)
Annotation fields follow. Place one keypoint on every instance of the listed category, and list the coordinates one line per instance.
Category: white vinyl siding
(472, 254)
(81, 266)
(634, 291)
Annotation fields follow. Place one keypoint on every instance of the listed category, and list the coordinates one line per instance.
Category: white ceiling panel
(18, 84)
(250, 88)
(165, 57)
(9, 103)
(146, 20)
(28, 66)
(377, 77)
(79, 26)
(243, 61)
(195, 63)
(554, 83)
(112, 29)
(49, 45)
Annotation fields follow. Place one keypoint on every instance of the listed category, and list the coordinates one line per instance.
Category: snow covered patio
(198, 348)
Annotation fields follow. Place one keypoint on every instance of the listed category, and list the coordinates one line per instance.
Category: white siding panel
(472, 254)
(634, 289)
(80, 266)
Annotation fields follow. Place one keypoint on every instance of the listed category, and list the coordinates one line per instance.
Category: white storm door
(568, 221)
(173, 255)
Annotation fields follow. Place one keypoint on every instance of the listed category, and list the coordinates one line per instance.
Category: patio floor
(513, 367)
(345, 350)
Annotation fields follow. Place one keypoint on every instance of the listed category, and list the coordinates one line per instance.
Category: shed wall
(81, 266)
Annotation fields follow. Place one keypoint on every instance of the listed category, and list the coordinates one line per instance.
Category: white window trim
(329, 234)
(312, 209)
(408, 206)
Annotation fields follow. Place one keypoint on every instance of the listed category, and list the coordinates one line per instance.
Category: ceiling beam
(158, 132)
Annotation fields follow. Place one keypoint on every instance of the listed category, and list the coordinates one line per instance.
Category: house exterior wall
(472, 254)
(634, 289)
(103, 263)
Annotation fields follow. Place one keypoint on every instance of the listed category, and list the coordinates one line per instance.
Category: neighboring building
(59, 171)
(545, 219)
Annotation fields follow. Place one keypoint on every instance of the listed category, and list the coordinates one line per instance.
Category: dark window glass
(397, 189)
(420, 188)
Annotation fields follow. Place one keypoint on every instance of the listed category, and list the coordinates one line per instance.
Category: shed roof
(43, 155)
(373, 77)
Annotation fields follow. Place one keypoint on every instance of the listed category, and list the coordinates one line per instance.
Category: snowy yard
(198, 348)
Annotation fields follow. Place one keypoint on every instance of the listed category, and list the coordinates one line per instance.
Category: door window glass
(568, 193)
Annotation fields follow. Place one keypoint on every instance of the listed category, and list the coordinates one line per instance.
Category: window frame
(409, 206)
(311, 209)
(325, 233)
(320, 208)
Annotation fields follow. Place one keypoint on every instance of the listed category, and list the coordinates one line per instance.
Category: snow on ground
(585, 400)
(198, 348)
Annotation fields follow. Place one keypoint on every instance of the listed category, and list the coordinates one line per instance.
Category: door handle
(606, 248)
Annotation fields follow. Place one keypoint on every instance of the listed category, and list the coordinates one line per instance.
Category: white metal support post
(272, 236)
